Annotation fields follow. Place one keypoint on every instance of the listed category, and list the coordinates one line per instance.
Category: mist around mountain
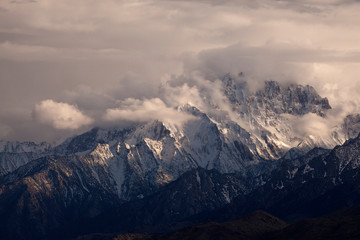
(219, 158)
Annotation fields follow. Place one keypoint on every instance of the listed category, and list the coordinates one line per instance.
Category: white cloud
(311, 124)
(146, 110)
(60, 115)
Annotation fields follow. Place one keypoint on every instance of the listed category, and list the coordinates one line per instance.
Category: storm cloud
(92, 55)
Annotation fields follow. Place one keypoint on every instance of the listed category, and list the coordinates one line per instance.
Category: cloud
(60, 115)
(311, 124)
(136, 110)
(122, 49)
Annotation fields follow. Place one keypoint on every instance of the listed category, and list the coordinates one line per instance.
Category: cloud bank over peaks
(206, 90)
(135, 110)
(60, 115)
(193, 88)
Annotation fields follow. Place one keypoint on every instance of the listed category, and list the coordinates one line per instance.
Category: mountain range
(157, 176)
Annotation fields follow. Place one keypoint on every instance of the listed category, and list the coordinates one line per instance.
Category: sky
(67, 66)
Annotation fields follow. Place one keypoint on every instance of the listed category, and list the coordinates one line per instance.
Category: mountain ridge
(210, 162)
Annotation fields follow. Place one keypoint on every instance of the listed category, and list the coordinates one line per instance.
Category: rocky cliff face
(351, 125)
(269, 114)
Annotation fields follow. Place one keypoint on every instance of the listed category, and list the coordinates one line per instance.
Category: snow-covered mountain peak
(273, 99)
(102, 152)
(294, 99)
(16, 154)
(236, 90)
(23, 147)
(271, 90)
(269, 115)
